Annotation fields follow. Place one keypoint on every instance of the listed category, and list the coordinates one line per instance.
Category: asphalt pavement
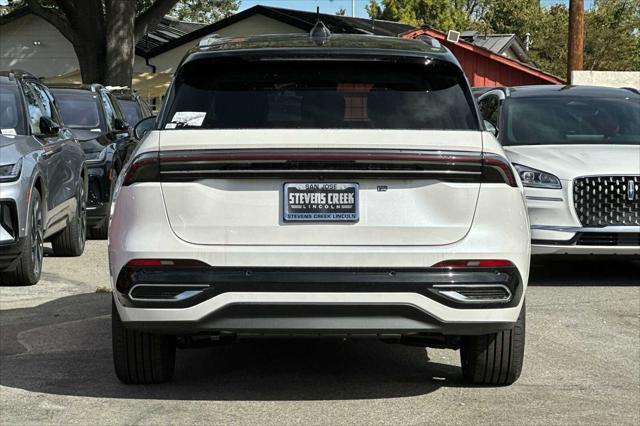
(582, 362)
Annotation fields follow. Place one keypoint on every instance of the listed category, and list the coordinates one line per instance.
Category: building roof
(168, 29)
(526, 68)
(296, 18)
(497, 43)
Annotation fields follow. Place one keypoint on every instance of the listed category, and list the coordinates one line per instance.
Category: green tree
(441, 14)
(612, 36)
(517, 17)
(204, 11)
(103, 33)
(549, 40)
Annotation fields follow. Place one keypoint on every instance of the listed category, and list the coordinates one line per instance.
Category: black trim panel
(603, 239)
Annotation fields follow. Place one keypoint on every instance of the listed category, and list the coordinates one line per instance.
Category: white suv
(302, 186)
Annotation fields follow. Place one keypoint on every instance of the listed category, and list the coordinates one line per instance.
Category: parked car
(43, 180)
(314, 185)
(132, 105)
(577, 150)
(94, 116)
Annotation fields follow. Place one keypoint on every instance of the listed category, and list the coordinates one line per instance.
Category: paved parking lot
(582, 362)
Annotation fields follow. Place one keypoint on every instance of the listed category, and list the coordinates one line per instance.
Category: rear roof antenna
(320, 34)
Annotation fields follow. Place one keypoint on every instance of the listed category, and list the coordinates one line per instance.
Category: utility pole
(575, 57)
(353, 8)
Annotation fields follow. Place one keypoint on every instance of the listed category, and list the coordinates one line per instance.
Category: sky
(326, 6)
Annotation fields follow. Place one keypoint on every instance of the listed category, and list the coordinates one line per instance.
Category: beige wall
(254, 25)
(607, 78)
(54, 55)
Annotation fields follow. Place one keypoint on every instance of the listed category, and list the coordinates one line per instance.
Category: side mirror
(48, 127)
(144, 126)
(489, 127)
(120, 125)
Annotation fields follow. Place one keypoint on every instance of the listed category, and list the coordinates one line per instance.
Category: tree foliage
(445, 14)
(612, 27)
(204, 11)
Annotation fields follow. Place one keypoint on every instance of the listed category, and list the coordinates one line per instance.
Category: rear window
(325, 94)
(79, 110)
(11, 113)
(571, 120)
(131, 111)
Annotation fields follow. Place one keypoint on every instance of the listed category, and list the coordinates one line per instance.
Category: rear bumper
(97, 214)
(269, 301)
(292, 314)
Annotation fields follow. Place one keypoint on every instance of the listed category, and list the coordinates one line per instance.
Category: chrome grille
(607, 200)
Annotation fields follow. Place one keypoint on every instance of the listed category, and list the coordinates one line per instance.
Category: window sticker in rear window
(186, 119)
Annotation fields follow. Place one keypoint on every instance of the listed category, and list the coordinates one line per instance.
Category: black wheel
(494, 359)
(139, 357)
(101, 231)
(70, 242)
(29, 264)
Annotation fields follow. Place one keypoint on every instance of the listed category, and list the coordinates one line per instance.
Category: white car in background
(577, 151)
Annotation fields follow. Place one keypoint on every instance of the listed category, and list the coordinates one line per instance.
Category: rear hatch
(320, 156)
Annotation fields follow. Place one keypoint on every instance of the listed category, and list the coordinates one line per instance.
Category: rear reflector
(166, 262)
(480, 263)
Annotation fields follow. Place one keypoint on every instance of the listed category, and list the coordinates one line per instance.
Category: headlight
(97, 157)
(10, 172)
(537, 179)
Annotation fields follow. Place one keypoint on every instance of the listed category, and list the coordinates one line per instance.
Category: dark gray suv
(43, 185)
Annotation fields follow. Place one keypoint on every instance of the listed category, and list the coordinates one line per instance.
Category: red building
(484, 68)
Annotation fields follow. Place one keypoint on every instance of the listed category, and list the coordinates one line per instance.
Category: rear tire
(70, 242)
(139, 357)
(29, 265)
(494, 359)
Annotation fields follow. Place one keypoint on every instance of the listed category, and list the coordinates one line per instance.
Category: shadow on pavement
(589, 271)
(64, 347)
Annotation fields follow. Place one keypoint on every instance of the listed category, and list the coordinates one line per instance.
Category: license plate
(321, 202)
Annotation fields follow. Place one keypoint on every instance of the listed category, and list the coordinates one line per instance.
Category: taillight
(496, 169)
(480, 263)
(144, 168)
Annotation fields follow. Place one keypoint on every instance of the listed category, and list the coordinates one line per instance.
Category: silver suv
(43, 183)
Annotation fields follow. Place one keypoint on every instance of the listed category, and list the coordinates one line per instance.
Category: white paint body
(227, 223)
(554, 208)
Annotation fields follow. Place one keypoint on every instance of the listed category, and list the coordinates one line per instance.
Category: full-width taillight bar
(443, 165)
